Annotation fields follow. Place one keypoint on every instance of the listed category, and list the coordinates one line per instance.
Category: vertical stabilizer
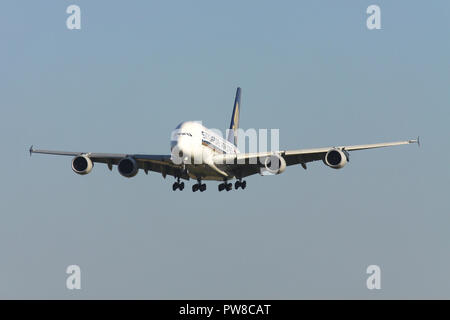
(234, 125)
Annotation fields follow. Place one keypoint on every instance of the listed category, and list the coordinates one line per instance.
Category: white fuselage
(195, 146)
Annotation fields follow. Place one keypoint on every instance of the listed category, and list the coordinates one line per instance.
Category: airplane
(217, 158)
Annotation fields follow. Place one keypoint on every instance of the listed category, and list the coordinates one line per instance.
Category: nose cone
(186, 141)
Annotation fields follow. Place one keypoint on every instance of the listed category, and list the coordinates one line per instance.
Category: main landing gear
(178, 185)
(228, 185)
(199, 186)
(240, 184)
(225, 186)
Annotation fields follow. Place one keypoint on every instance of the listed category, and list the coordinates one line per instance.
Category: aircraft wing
(147, 162)
(308, 155)
(245, 164)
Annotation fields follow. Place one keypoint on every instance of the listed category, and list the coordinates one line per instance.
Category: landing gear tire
(199, 186)
(178, 185)
(240, 184)
(225, 186)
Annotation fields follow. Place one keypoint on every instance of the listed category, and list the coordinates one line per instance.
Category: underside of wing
(245, 164)
(162, 164)
(128, 164)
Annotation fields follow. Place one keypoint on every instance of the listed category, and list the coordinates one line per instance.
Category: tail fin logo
(236, 118)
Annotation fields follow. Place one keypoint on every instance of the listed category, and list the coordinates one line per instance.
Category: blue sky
(311, 69)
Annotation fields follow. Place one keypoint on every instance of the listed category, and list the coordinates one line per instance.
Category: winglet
(415, 141)
(31, 150)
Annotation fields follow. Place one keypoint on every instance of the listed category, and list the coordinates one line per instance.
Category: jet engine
(274, 164)
(336, 158)
(82, 164)
(128, 167)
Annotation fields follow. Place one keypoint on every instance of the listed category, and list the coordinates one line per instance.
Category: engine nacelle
(336, 158)
(128, 167)
(273, 164)
(82, 164)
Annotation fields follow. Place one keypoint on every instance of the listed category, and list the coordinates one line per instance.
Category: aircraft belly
(204, 172)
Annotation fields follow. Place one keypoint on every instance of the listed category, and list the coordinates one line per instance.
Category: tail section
(234, 125)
